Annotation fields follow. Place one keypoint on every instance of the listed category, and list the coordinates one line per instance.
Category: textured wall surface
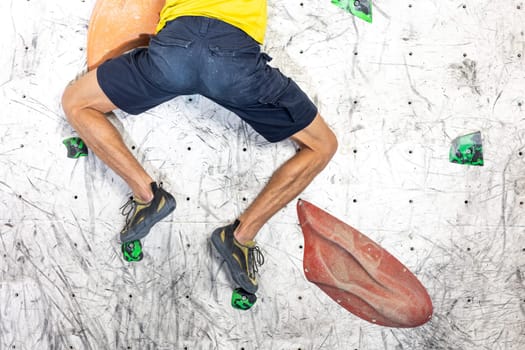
(396, 92)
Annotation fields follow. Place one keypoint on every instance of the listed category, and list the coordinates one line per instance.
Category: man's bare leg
(84, 104)
(318, 144)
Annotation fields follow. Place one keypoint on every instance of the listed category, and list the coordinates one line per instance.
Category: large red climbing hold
(359, 274)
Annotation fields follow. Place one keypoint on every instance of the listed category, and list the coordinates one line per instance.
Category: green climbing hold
(467, 149)
(359, 8)
(243, 300)
(76, 148)
(132, 251)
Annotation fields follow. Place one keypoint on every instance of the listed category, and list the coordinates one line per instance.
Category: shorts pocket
(168, 41)
(274, 94)
(280, 97)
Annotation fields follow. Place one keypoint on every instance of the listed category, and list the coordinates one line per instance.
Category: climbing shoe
(242, 260)
(140, 217)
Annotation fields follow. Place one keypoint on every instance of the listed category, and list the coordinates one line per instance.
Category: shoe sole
(142, 230)
(237, 276)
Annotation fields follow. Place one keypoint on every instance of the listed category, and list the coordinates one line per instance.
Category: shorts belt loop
(205, 24)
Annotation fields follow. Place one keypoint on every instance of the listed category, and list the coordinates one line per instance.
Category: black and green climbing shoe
(242, 260)
(140, 217)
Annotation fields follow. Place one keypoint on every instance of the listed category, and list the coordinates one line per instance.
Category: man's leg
(84, 104)
(235, 242)
(318, 144)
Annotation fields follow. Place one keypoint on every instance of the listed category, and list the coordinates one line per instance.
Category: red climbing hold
(359, 274)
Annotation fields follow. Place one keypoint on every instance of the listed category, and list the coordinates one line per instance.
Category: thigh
(271, 103)
(131, 82)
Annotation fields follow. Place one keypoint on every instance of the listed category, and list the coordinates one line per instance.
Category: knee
(327, 148)
(330, 145)
(320, 140)
(323, 151)
(70, 103)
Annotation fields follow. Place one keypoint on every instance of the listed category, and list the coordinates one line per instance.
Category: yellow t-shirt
(247, 15)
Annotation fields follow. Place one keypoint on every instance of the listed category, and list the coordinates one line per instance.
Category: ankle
(242, 241)
(144, 196)
(143, 191)
(243, 235)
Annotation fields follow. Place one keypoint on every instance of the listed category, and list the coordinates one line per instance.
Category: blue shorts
(200, 55)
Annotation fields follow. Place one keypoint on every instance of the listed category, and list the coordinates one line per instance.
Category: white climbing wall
(396, 92)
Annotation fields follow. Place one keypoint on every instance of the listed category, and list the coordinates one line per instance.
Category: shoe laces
(256, 258)
(127, 210)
